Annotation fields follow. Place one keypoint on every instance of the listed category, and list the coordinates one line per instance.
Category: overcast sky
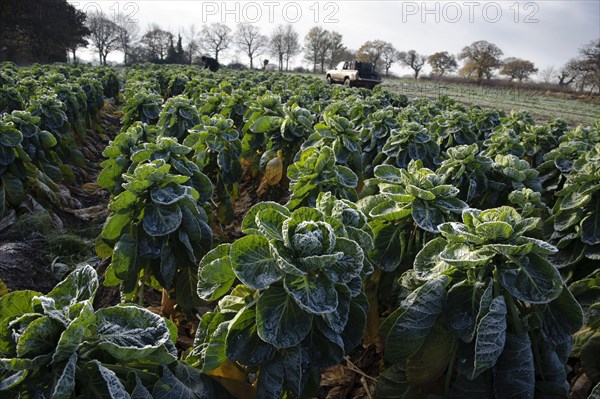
(547, 32)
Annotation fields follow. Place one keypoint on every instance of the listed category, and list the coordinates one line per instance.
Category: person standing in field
(210, 63)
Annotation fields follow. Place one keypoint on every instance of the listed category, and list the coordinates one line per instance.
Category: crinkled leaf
(562, 318)
(590, 227)
(270, 379)
(140, 391)
(215, 275)
(252, 262)
(170, 387)
(168, 195)
(130, 333)
(413, 321)
(279, 320)
(427, 216)
(349, 264)
(270, 222)
(75, 333)
(533, 280)
(458, 232)
(97, 381)
(464, 255)
(494, 231)
(389, 244)
(489, 341)
(313, 293)
(160, 220)
(79, 286)
(249, 225)
(427, 260)
(243, 343)
(514, 372)
(39, 338)
(65, 386)
(214, 353)
(461, 309)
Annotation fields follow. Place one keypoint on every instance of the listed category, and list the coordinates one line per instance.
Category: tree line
(46, 31)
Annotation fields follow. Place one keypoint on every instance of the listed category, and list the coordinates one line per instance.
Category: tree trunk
(251, 62)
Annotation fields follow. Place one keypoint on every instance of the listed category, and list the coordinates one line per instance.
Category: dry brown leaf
(95, 212)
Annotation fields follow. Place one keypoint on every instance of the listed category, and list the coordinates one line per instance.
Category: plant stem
(510, 303)
(450, 371)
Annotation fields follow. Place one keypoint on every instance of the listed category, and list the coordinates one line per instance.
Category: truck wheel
(347, 82)
(329, 81)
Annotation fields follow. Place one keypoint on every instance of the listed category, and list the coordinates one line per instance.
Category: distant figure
(210, 63)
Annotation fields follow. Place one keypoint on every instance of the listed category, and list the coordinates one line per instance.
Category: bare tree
(284, 45)
(413, 60)
(325, 49)
(389, 55)
(336, 48)
(588, 63)
(315, 46)
(216, 38)
(277, 45)
(127, 36)
(568, 73)
(291, 44)
(548, 74)
(371, 51)
(104, 35)
(192, 37)
(157, 42)
(249, 40)
(442, 62)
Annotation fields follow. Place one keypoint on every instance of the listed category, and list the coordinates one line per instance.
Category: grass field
(542, 107)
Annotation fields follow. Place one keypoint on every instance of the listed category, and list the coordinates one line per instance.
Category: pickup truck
(354, 74)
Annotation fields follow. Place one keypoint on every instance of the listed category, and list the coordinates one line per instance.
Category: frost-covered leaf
(130, 333)
(413, 321)
(514, 372)
(313, 293)
(490, 337)
(160, 220)
(99, 382)
(79, 286)
(252, 262)
(215, 275)
(65, 386)
(562, 318)
(532, 280)
(279, 320)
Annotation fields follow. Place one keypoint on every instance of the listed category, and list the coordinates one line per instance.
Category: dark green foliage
(302, 307)
(503, 303)
(57, 345)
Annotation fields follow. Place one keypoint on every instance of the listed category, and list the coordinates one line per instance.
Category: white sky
(547, 32)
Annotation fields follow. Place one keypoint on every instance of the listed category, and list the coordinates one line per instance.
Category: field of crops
(541, 105)
(308, 241)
